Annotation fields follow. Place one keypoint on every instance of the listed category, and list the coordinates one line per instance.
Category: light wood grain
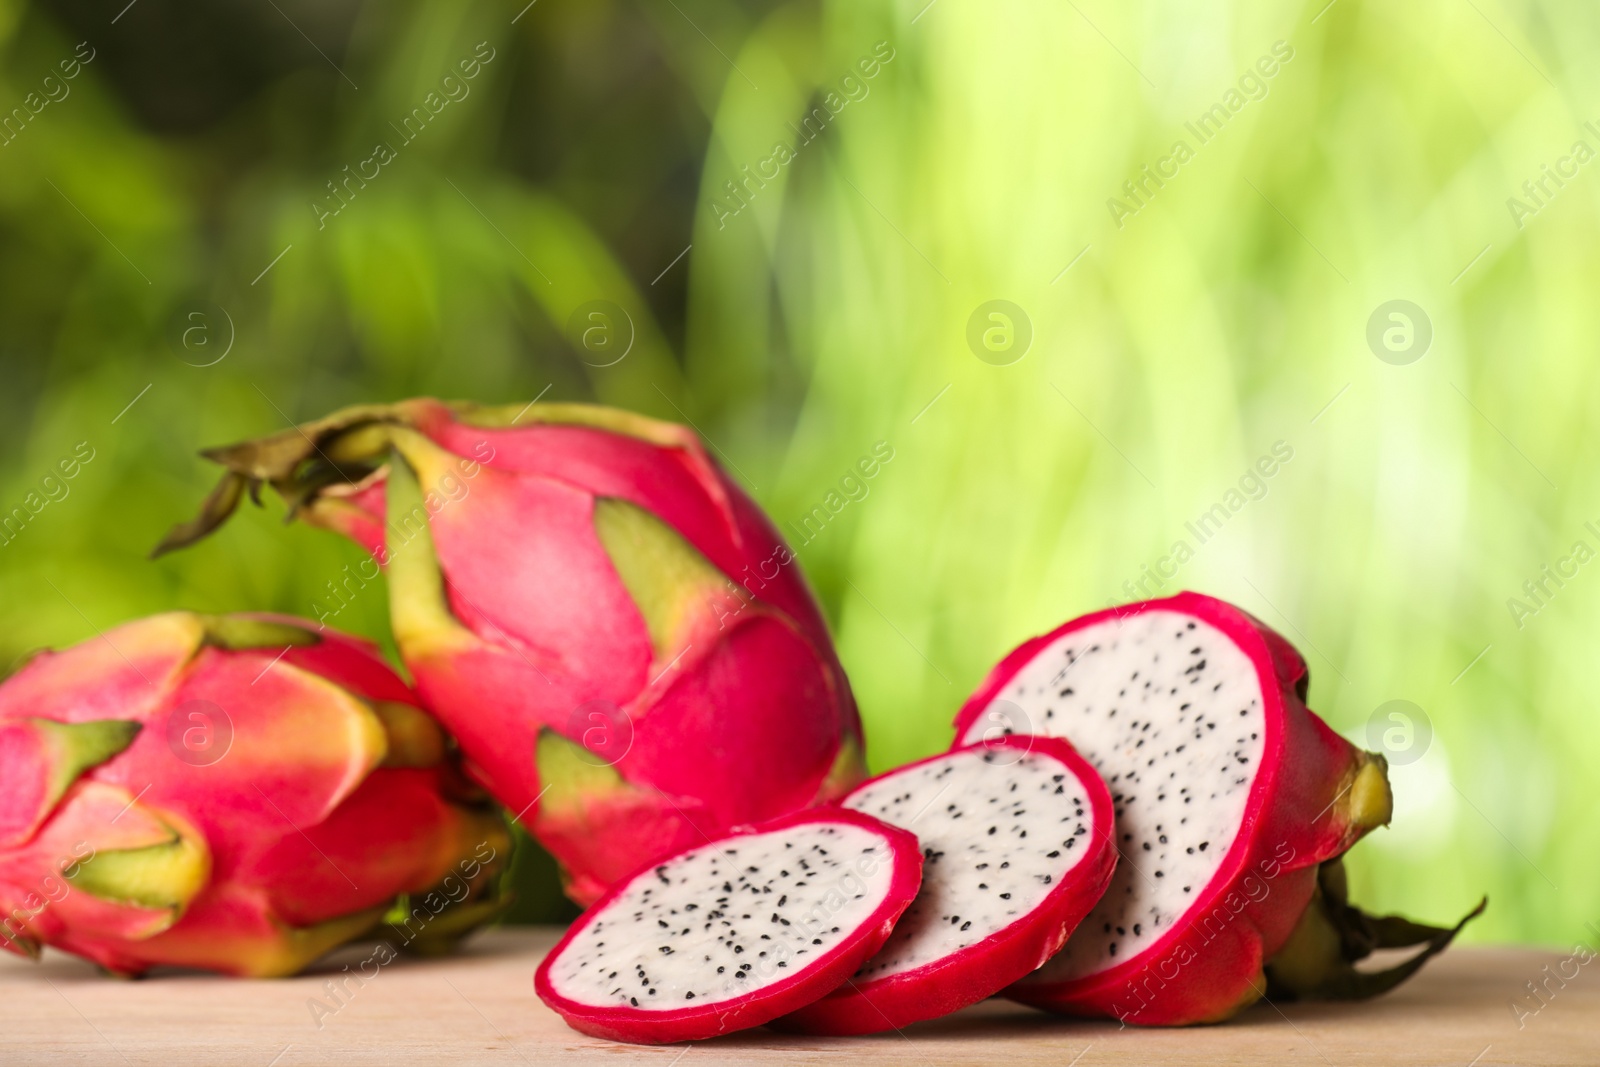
(479, 1007)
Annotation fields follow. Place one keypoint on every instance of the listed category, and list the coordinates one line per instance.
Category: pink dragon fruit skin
(328, 796)
(615, 633)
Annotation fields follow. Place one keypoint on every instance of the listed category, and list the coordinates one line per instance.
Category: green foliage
(1200, 323)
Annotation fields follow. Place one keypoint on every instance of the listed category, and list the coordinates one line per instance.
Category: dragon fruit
(734, 932)
(1016, 848)
(234, 793)
(614, 632)
(1229, 794)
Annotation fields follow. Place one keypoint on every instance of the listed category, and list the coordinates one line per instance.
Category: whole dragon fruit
(614, 632)
(1233, 805)
(234, 793)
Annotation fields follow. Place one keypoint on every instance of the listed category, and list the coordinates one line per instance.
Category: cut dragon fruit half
(1016, 848)
(736, 932)
(1228, 794)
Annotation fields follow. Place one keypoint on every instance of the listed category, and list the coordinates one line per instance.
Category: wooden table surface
(479, 1007)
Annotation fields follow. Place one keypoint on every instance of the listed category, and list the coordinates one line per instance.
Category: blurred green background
(1179, 331)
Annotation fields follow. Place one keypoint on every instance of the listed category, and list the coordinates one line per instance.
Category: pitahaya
(615, 633)
(734, 932)
(1229, 794)
(234, 793)
(1016, 848)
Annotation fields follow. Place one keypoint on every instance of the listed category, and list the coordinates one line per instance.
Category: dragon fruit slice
(1016, 847)
(735, 932)
(1229, 795)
